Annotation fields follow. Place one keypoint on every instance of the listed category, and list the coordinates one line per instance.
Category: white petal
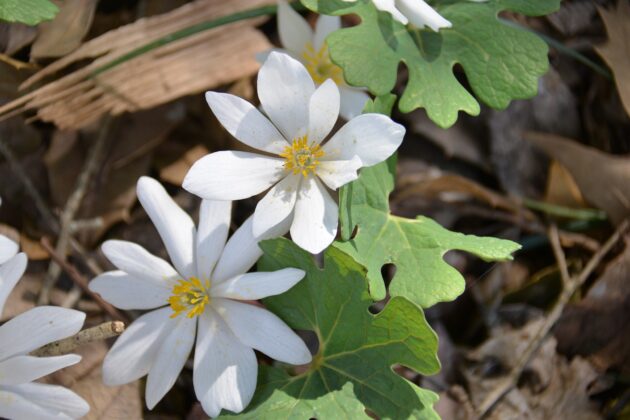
(242, 120)
(242, 250)
(276, 205)
(214, 225)
(21, 369)
(323, 111)
(253, 286)
(10, 273)
(170, 360)
(371, 137)
(421, 14)
(139, 263)
(125, 291)
(225, 370)
(135, 350)
(17, 407)
(37, 327)
(285, 89)
(52, 398)
(337, 173)
(230, 175)
(293, 29)
(315, 217)
(258, 328)
(325, 26)
(390, 7)
(8, 249)
(174, 225)
(353, 101)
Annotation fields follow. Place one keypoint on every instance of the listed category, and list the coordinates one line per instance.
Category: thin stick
(570, 287)
(72, 207)
(67, 345)
(81, 281)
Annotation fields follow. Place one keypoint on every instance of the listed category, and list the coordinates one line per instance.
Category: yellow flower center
(189, 295)
(319, 65)
(301, 157)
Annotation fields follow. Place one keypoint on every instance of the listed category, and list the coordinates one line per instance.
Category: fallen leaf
(129, 153)
(561, 188)
(85, 378)
(189, 65)
(599, 325)
(550, 387)
(176, 171)
(17, 36)
(66, 31)
(616, 52)
(603, 179)
(33, 249)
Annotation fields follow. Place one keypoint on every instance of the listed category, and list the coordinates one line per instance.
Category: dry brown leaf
(550, 388)
(599, 325)
(176, 171)
(24, 295)
(561, 188)
(33, 249)
(452, 183)
(84, 378)
(189, 65)
(15, 36)
(129, 153)
(616, 52)
(603, 179)
(66, 31)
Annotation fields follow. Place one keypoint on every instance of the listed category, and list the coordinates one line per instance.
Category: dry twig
(570, 286)
(81, 281)
(67, 345)
(72, 207)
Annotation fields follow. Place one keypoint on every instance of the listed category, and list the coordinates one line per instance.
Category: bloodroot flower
(198, 297)
(310, 48)
(20, 397)
(8, 248)
(416, 12)
(298, 119)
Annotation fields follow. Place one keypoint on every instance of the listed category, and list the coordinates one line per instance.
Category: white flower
(20, 397)
(8, 248)
(199, 296)
(309, 47)
(300, 118)
(417, 12)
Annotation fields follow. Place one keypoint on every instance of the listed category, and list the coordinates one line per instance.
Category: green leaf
(415, 246)
(30, 12)
(501, 62)
(352, 371)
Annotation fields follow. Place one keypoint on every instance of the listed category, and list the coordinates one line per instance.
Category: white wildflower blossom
(298, 161)
(416, 12)
(20, 397)
(197, 299)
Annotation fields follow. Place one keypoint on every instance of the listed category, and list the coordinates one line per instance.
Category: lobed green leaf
(501, 62)
(352, 370)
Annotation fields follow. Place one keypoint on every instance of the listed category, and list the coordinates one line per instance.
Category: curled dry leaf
(189, 65)
(550, 388)
(106, 402)
(603, 179)
(64, 33)
(129, 154)
(616, 52)
(599, 325)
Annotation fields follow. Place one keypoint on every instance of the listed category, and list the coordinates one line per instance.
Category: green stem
(576, 55)
(191, 30)
(561, 211)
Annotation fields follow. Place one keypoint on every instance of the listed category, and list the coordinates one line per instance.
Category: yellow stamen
(302, 158)
(189, 295)
(319, 65)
